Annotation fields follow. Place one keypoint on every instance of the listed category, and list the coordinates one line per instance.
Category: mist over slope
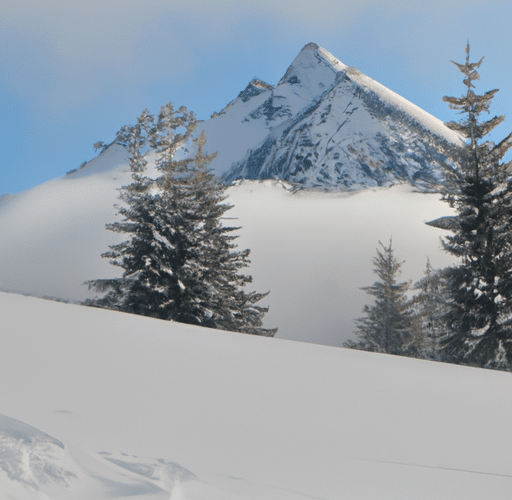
(312, 250)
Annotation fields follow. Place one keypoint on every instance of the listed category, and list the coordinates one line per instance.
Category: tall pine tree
(180, 261)
(479, 290)
(387, 324)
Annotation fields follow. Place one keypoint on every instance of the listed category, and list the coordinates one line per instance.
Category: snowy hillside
(326, 125)
(312, 250)
(103, 405)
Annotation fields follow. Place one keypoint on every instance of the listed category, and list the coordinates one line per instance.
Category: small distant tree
(387, 324)
(429, 307)
(479, 289)
(180, 261)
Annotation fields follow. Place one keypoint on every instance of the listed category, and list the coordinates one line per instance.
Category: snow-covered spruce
(479, 188)
(180, 262)
(387, 325)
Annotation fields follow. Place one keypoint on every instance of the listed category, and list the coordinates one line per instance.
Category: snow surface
(312, 250)
(104, 405)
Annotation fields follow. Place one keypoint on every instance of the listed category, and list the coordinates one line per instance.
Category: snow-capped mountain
(327, 125)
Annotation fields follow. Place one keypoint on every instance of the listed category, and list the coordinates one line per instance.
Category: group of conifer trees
(396, 323)
(463, 313)
(180, 261)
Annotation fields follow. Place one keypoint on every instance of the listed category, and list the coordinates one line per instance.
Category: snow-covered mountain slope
(312, 250)
(103, 405)
(327, 125)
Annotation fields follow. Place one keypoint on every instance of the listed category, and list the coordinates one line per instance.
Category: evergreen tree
(233, 309)
(479, 290)
(387, 324)
(429, 307)
(180, 262)
(137, 209)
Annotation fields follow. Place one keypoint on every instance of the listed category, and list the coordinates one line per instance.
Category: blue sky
(74, 72)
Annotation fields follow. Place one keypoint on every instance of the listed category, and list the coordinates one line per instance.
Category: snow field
(164, 410)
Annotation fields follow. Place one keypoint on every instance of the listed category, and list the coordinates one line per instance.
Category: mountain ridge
(327, 125)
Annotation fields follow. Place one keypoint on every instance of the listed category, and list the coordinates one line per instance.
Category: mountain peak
(310, 46)
(255, 87)
(313, 66)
